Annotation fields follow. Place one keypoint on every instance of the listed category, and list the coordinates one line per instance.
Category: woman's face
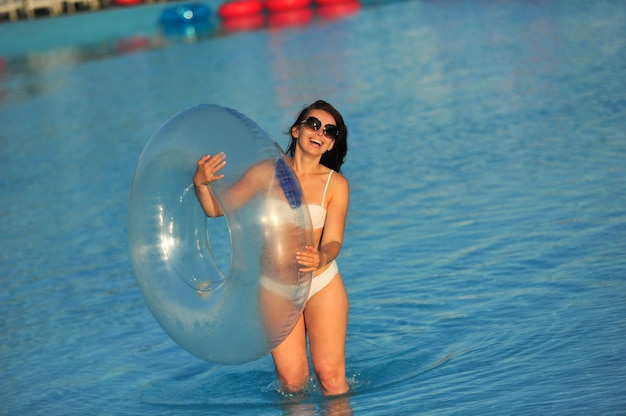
(314, 141)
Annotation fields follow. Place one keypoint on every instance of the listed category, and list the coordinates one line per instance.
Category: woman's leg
(290, 360)
(326, 316)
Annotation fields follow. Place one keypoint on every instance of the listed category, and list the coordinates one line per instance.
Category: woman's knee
(293, 375)
(332, 379)
(293, 381)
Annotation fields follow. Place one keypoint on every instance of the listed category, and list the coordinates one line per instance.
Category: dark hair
(334, 158)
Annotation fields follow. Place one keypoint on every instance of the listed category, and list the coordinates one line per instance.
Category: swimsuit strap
(326, 187)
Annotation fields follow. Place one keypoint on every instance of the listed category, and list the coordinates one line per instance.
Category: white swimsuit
(319, 282)
(318, 218)
(318, 212)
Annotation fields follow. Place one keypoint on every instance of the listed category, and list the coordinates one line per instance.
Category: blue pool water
(485, 250)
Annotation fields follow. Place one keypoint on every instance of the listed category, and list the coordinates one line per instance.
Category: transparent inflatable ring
(241, 316)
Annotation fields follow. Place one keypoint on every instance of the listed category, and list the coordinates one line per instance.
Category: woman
(316, 152)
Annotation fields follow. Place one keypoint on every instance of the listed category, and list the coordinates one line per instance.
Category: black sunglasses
(330, 130)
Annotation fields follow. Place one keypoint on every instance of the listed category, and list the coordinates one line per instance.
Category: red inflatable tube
(239, 8)
(336, 10)
(244, 23)
(279, 5)
(295, 17)
(127, 2)
(325, 2)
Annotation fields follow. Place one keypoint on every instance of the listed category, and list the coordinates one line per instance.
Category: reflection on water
(64, 54)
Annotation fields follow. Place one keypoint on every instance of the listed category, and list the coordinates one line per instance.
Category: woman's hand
(207, 169)
(310, 259)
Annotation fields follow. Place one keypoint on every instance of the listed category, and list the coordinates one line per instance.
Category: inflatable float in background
(186, 19)
(253, 14)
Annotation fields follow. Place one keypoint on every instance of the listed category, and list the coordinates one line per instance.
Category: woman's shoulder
(338, 182)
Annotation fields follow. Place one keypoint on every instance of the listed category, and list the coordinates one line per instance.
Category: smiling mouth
(315, 142)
